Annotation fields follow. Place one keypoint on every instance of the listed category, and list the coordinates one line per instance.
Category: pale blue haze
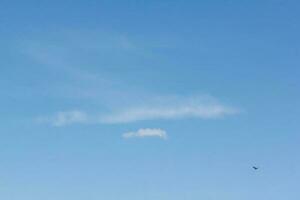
(100, 57)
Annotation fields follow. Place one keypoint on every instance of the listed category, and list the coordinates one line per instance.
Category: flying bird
(255, 168)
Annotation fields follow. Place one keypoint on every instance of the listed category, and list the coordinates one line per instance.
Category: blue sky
(147, 100)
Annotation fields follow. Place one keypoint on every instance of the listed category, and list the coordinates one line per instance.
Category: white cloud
(186, 108)
(147, 132)
(167, 108)
(128, 104)
(66, 118)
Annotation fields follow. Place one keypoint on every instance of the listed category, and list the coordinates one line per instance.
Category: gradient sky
(149, 100)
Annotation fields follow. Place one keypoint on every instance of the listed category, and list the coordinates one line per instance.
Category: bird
(255, 168)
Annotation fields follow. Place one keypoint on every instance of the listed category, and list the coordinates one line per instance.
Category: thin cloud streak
(201, 111)
(167, 109)
(146, 132)
(64, 118)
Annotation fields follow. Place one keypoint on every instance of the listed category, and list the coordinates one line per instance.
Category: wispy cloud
(172, 108)
(65, 118)
(70, 59)
(166, 109)
(146, 132)
(66, 54)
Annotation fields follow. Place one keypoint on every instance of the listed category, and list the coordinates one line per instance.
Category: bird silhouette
(255, 168)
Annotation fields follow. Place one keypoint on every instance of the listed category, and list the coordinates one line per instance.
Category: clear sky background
(144, 100)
